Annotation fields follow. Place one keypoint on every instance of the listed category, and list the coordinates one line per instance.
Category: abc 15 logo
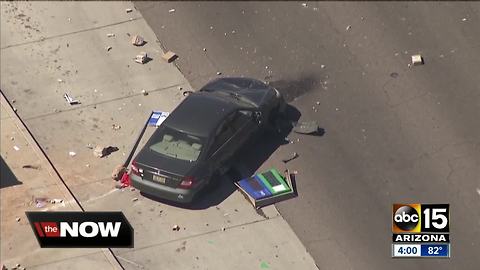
(416, 218)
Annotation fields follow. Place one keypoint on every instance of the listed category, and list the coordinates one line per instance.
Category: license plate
(158, 178)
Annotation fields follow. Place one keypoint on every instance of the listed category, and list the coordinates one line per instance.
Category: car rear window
(178, 145)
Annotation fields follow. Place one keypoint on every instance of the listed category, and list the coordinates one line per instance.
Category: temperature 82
(434, 250)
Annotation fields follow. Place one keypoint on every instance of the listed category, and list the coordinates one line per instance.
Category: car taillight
(188, 182)
(134, 168)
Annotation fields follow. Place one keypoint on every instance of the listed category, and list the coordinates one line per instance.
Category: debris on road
(54, 201)
(322, 66)
(108, 48)
(17, 219)
(219, 73)
(186, 93)
(31, 167)
(128, 10)
(72, 154)
(204, 49)
(145, 93)
(12, 138)
(116, 127)
(13, 101)
(70, 100)
(110, 35)
(306, 127)
(417, 60)
(304, 5)
(40, 202)
(223, 229)
(294, 156)
(118, 172)
(16, 148)
(176, 228)
(171, 10)
(394, 74)
(141, 58)
(138, 40)
(60, 80)
(318, 102)
(464, 19)
(100, 151)
(348, 27)
(169, 56)
(135, 199)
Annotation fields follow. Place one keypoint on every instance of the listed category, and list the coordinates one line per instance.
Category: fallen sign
(268, 187)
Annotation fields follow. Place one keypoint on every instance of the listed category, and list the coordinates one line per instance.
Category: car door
(220, 150)
(244, 125)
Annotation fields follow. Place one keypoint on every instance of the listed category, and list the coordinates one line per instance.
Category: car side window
(223, 134)
(241, 118)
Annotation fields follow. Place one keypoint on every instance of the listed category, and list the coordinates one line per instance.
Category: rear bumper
(164, 192)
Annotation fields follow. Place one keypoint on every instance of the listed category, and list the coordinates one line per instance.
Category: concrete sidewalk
(63, 49)
(20, 187)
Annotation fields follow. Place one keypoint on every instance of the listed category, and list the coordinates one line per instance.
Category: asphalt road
(392, 133)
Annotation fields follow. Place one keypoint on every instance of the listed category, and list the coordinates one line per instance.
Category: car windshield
(175, 144)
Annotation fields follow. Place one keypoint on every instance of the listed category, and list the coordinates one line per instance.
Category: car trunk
(154, 171)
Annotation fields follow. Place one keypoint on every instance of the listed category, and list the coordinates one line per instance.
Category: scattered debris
(40, 202)
(12, 138)
(186, 93)
(204, 49)
(14, 109)
(145, 93)
(394, 74)
(322, 66)
(116, 127)
(180, 88)
(417, 60)
(171, 10)
(70, 100)
(304, 5)
(128, 10)
(54, 201)
(31, 167)
(362, 18)
(169, 56)
(110, 35)
(132, 189)
(223, 228)
(219, 73)
(13, 101)
(16, 148)
(141, 58)
(108, 48)
(318, 102)
(118, 172)
(135, 199)
(72, 154)
(60, 80)
(348, 27)
(294, 156)
(100, 151)
(17, 219)
(176, 228)
(464, 19)
(87, 165)
(306, 127)
(138, 40)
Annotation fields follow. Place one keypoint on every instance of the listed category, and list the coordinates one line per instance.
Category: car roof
(200, 113)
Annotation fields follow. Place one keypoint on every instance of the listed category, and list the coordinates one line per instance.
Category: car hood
(255, 90)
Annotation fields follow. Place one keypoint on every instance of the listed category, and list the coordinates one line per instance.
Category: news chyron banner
(78, 229)
(421, 230)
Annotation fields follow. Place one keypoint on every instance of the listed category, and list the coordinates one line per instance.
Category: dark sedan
(197, 141)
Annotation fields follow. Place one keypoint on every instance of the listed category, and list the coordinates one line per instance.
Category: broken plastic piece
(306, 127)
(169, 56)
(70, 100)
(417, 60)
